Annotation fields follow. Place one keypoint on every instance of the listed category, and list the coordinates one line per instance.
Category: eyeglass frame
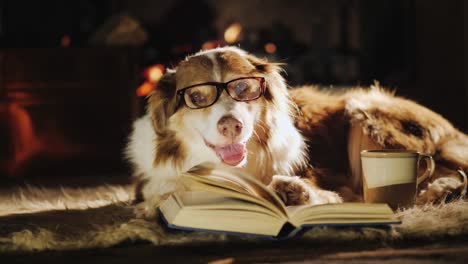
(219, 89)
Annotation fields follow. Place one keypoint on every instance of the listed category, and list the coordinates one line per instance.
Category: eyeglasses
(206, 94)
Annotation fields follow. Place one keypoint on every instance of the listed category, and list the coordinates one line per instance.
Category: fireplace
(65, 111)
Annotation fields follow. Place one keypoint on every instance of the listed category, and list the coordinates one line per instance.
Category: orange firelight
(152, 76)
(232, 33)
(154, 73)
(65, 41)
(270, 47)
(210, 45)
(145, 89)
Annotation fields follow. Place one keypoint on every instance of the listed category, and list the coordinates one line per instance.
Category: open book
(230, 201)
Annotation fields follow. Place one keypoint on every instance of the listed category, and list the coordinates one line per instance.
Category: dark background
(68, 95)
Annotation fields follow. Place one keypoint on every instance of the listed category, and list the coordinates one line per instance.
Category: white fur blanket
(65, 219)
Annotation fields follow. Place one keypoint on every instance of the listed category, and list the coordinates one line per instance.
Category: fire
(270, 47)
(65, 41)
(154, 73)
(212, 44)
(232, 33)
(145, 89)
(152, 76)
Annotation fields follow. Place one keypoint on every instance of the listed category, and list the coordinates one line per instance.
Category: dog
(229, 107)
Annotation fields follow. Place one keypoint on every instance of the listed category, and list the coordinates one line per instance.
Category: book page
(236, 181)
(204, 200)
(200, 210)
(237, 221)
(252, 185)
(194, 183)
(341, 213)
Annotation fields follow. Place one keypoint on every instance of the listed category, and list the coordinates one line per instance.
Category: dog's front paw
(148, 208)
(145, 211)
(290, 189)
(294, 191)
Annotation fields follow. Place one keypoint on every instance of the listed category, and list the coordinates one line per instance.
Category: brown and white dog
(229, 107)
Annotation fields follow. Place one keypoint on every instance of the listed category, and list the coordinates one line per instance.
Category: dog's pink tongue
(231, 154)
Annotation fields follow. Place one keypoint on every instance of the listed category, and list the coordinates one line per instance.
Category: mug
(391, 176)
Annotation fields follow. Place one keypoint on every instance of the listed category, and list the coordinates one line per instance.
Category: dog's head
(213, 104)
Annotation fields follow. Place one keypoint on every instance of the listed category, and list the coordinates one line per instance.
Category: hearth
(65, 111)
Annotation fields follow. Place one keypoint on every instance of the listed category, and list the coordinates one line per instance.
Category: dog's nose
(229, 126)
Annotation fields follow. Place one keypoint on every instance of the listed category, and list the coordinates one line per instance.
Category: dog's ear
(276, 88)
(264, 66)
(162, 102)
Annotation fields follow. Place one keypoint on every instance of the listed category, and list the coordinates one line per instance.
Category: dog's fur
(302, 132)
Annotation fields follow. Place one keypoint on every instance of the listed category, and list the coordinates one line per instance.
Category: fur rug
(33, 219)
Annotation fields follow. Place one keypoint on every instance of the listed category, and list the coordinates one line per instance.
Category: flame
(212, 44)
(270, 47)
(145, 89)
(65, 41)
(152, 75)
(232, 33)
(28, 142)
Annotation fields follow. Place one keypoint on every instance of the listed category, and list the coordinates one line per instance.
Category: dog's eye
(241, 88)
(197, 99)
(244, 89)
(200, 96)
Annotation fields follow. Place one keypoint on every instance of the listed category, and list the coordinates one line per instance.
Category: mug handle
(430, 167)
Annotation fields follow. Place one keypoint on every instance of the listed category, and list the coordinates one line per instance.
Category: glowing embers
(65, 41)
(233, 33)
(152, 76)
(211, 44)
(270, 47)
